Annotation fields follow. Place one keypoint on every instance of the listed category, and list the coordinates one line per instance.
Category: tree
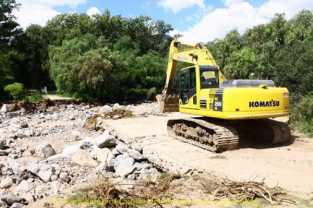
(35, 72)
(8, 29)
(9, 32)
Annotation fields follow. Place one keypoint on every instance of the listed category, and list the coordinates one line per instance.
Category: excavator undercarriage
(217, 135)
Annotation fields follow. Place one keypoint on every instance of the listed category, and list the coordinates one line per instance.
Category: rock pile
(47, 152)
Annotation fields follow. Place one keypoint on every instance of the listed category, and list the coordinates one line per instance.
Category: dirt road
(290, 167)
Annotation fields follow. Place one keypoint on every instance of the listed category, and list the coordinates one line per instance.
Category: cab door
(188, 88)
(209, 93)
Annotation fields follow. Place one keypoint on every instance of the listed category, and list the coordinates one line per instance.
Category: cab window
(209, 78)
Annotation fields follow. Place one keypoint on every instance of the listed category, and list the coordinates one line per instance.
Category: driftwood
(243, 191)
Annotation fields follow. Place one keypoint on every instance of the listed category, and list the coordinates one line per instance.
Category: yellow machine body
(203, 90)
(234, 103)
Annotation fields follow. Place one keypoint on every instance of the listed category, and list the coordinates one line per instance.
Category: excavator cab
(187, 79)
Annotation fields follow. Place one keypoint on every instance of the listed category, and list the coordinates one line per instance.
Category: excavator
(223, 112)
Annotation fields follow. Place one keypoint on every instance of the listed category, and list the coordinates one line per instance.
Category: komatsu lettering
(260, 104)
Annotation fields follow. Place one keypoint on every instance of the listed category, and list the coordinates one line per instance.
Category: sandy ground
(290, 167)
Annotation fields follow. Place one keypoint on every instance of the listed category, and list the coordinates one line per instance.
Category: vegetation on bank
(113, 58)
(280, 50)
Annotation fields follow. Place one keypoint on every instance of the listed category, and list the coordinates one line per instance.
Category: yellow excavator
(225, 112)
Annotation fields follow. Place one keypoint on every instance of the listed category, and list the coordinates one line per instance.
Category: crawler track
(204, 134)
(221, 135)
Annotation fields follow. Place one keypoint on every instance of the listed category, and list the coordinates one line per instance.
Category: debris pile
(105, 193)
(244, 191)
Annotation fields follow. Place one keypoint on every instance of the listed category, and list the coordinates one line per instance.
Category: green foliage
(280, 50)
(10, 57)
(94, 64)
(33, 96)
(302, 114)
(15, 90)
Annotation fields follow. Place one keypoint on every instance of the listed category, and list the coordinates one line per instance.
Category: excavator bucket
(168, 103)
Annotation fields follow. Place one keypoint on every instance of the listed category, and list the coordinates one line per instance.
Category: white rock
(56, 188)
(102, 155)
(121, 148)
(4, 108)
(33, 168)
(105, 109)
(117, 106)
(124, 165)
(138, 147)
(11, 198)
(136, 155)
(24, 187)
(17, 205)
(14, 166)
(115, 152)
(6, 183)
(106, 140)
(46, 172)
(54, 178)
(149, 173)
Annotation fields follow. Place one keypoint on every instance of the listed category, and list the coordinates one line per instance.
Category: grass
(305, 127)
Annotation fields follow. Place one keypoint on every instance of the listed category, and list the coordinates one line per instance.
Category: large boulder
(25, 186)
(11, 198)
(105, 109)
(121, 148)
(117, 107)
(106, 140)
(6, 183)
(33, 168)
(124, 165)
(136, 155)
(102, 155)
(46, 172)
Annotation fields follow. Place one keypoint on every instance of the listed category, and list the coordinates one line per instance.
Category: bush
(302, 114)
(15, 90)
(33, 97)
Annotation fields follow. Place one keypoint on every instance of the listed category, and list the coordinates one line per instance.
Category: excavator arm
(195, 54)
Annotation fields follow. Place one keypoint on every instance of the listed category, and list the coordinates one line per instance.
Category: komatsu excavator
(224, 111)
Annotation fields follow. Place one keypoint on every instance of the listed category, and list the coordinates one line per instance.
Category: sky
(196, 20)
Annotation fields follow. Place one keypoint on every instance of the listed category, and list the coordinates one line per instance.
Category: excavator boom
(195, 54)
